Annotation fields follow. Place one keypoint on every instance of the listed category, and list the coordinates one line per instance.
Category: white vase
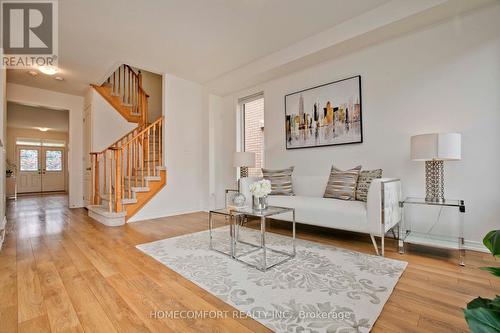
(260, 203)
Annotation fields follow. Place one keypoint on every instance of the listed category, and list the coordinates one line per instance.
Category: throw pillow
(364, 180)
(342, 184)
(281, 181)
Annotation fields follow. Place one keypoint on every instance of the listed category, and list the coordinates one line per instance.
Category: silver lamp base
(243, 172)
(434, 181)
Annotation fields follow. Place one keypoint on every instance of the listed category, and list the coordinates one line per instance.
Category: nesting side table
(412, 236)
(235, 215)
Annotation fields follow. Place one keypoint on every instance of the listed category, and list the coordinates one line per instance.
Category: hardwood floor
(61, 271)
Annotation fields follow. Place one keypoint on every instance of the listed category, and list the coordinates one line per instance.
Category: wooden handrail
(126, 84)
(120, 139)
(134, 156)
(137, 76)
(127, 163)
(144, 130)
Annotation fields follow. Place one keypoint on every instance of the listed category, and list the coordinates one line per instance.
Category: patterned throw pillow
(364, 181)
(281, 181)
(342, 184)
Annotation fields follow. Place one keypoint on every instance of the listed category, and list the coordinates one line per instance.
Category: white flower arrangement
(261, 188)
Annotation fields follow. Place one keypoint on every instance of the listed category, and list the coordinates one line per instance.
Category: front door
(41, 169)
(30, 171)
(52, 169)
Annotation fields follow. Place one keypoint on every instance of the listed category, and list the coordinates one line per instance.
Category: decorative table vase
(239, 200)
(260, 203)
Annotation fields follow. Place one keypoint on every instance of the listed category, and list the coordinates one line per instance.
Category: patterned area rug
(323, 289)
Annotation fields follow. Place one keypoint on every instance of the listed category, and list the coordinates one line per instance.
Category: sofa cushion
(338, 214)
(281, 180)
(342, 184)
(364, 181)
(310, 186)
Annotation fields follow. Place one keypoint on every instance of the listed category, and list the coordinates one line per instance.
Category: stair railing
(127, 84)
(126, 164)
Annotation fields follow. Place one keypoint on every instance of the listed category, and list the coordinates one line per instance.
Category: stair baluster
(134, 158)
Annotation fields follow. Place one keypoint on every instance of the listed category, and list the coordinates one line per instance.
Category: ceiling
(198, 40)
(34, 117)
(227, 45)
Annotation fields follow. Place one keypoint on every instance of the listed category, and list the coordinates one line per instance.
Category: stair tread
(148, 178)
(126, 197)
(160, 168)
(140, 188)
(104, 211)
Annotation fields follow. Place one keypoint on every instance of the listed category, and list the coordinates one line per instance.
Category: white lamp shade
(436, 146)
(244, 159)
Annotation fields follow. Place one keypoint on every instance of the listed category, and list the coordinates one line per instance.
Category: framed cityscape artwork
(325, 115)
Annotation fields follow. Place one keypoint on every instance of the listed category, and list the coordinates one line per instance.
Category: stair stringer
(115, 101)
(143, 197)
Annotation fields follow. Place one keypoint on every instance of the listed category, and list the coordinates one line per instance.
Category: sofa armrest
(383, 210)
(244, 187)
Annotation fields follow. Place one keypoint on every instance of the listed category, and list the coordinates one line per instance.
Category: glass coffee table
(253, 251)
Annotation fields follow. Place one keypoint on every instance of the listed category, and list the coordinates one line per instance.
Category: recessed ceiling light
(33, 73)
(59, 78)
(43, 129)
(49, 70)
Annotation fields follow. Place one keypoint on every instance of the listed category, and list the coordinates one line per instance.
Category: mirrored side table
(412, 236)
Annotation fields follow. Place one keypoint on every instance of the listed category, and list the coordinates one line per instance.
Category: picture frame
(325, 115)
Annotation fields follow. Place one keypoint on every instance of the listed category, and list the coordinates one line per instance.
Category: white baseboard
(160, 215)
(3, 232)
(3, 222)
(475, 246)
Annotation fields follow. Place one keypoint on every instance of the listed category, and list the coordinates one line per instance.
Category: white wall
(50, 99)
(24, 116)
(108, 125)
(222, 130)
(3, 135)
(153, 85)
(443, 78)
(186, 151)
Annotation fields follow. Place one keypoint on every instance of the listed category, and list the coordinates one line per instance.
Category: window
(28, 143)
(38, 142)
(252, 117)
(53, 160)
(53, 144)
(28, 159)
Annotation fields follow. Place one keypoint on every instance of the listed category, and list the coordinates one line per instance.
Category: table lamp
(434, 149)
(244, 160)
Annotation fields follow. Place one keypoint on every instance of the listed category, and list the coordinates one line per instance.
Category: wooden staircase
(128, 173)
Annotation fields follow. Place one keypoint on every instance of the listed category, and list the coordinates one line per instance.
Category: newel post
(118, 180)
(139, 76)
(95, 195)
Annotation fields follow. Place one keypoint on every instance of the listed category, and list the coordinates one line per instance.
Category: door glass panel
(53, 160)
(28, 159)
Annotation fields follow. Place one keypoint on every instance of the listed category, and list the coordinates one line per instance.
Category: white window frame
(40, 142)
(240, 119)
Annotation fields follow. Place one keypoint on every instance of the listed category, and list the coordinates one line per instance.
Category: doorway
(37, 153)
(41, 169)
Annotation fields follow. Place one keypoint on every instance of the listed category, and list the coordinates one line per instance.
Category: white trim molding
(475, 246)
(3, 233)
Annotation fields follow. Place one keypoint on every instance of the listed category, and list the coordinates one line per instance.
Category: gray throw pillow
(364, 181)
(342, 184)
(281, 180)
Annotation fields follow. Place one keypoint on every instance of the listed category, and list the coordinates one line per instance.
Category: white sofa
(375, 217)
